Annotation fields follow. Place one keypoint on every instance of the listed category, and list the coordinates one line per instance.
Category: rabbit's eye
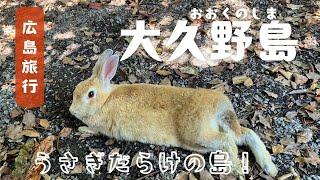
(91, 94)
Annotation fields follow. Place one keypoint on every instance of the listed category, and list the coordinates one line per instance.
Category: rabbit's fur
(199, 120)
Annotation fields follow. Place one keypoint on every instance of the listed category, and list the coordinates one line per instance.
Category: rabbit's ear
(102, 58)
(109, 69)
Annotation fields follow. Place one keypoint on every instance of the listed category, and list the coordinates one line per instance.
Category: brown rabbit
(199, 120)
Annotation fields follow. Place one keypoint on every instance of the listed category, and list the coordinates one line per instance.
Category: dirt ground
(279, 100)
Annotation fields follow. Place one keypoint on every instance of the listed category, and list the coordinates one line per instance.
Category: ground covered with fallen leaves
(278, 100)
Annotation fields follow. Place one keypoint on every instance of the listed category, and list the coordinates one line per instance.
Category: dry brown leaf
(295, 174)
(109, 40)
(29, 120)
(313, 159)
(16, 112)
(293, 20)
(294, 6)
(65, 132)
(132, 78)
(215, 81)
(45, 146)
(114, 150)
(313, 75)
(239, 79)
(218, 69)
(271, 94)
(85, 66)
(269, 135)
(287, 141)
(118, 2)
(317, 66)
(68, 61)
(310, 41)
(232, 177)
(44, 123)
(77, 169)
(63, 36)
(134, 159)
(305, 136)
(309, 107)
(292, 149)
(189, 70)
(46, 177)
(30, 133)
(285, 176)
(255, 118)
(7, 177)
(274, 69)
(258, 117)
(192, 177)
(266, 121)
(314, 115)
(205, 175)
(286, 74)
(176, 2)
(317, 97)
(14, 131)
(314, 85)
(165, 3)
(178, 72)
(257, 48)
(163, 72)
(1, 143)
(4, 170)
(248, 82)
(291, 114)
(300, 79)
(277, 149)
(165, 21)
(88, 33)
(165, 81)
(94, 57)
(109, 142)
(300, 91)
(11, 153)
(96, 49)
(182, 176)
(282, 80)
(95, 5)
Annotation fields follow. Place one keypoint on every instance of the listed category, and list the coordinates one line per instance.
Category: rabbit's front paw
(237, 171)
(271, 169)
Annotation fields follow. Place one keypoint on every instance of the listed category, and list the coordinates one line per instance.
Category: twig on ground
(150, 174)
(299, 91)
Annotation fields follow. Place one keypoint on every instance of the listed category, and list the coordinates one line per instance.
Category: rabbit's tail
(249, 138)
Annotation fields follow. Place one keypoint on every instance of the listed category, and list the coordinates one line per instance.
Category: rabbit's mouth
(82, 118)
(75, 113)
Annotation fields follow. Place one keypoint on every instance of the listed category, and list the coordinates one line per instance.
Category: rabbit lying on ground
(199, 120)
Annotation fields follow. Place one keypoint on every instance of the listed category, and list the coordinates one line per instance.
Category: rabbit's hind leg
(221, 141)
(249, 138)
